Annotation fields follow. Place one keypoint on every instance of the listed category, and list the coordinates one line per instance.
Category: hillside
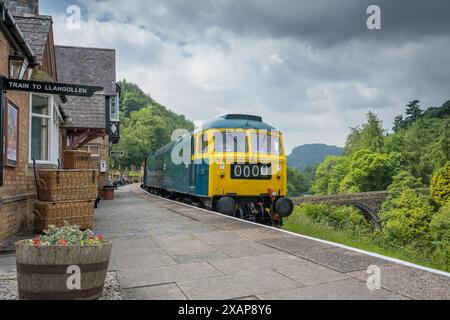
(311, 155)
(146, 125)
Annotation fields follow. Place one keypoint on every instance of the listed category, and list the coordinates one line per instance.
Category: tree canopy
(145, 125)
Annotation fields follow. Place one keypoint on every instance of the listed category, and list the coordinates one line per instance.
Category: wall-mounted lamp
(18, 65)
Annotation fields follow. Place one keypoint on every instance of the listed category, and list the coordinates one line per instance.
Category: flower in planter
(68, 235)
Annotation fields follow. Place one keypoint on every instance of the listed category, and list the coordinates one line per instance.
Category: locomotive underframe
(257, 209)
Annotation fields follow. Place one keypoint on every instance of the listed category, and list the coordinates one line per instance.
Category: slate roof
(92, 67)
(88, 66)
(35, 31)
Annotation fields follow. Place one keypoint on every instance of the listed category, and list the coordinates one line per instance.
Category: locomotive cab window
(265, 143)
(230, 142)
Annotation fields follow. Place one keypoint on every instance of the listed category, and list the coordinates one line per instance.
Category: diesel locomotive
(235, 165)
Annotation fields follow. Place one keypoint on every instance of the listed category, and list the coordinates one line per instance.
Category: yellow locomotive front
(247, 168)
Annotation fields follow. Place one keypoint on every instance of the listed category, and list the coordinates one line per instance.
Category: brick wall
(18, 191)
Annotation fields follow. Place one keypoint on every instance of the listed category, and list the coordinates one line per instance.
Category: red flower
(63, 241)
(100, 237)
(37, 241)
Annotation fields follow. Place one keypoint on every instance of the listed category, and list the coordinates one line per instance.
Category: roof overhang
(12, 32)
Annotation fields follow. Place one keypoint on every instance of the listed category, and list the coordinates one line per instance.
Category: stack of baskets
(66, 195)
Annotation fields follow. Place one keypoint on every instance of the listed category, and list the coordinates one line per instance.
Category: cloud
(311, 68)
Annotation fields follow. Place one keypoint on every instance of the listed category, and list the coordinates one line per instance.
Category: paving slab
(342, 260)
(245, 248)
(236, 286)
(411, 282)
(207, 256)
(294, 244)
(141, 258)
(350, 289)
(261, 233)
(147, 276)
(257, 263)
(159, 292)
(220, 238)
(310, 273)
(163, 250)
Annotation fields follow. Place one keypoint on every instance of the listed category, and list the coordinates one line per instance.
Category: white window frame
(88, 146)
(53, 129)
(111, 99)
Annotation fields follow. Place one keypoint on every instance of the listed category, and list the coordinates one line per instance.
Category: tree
(329, 174)
(371, 171)
(440, 185)
(413, 112)
(296, 182)
(370, 136)
(399, 123)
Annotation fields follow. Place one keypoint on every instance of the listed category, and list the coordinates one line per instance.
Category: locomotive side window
(230, 142)
(265, 143)
(204, 143)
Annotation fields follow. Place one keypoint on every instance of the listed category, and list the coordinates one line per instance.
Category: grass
(301, 224)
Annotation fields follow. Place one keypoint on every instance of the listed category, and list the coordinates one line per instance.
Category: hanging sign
(50, 87)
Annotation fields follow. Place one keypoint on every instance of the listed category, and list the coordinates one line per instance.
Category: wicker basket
(75, 159)
(67, 185)
(80, 213)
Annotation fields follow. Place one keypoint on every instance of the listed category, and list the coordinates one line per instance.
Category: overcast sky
(311, 68)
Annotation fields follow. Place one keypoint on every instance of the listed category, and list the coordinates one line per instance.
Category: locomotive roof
(236, 121)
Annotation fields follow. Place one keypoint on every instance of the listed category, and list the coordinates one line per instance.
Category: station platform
(168, 250)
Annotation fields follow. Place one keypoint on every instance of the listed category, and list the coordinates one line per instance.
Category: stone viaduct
(369, 203)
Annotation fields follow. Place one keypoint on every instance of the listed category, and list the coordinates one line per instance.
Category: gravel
(112, 291)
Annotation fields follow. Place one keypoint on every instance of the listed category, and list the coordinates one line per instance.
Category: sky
(311, 68)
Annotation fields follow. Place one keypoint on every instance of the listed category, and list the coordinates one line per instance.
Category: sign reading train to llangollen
(50, 88)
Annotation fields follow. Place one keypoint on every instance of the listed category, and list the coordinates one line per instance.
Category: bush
(440, 185)
(406, 219)
(345, 218)
(440, 226)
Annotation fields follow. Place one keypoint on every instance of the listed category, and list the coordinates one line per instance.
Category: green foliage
(329, 175)
(68, 235)
(146, 125)
(406, 219)
(371, 171)
(296, 182)
(401, 181)
(440, 226)
(132, 98)
(440, 185)
(369, 137)
(345, 218)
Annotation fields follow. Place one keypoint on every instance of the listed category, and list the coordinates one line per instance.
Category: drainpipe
(2, 140)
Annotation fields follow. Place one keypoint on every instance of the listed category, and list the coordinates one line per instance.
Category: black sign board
(50, 88)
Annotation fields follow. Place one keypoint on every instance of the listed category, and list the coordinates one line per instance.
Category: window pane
(264, 143)
(114, 109)
(39, 105)
(94, 150)
(204, 143)
(230, 142)
(39, 139)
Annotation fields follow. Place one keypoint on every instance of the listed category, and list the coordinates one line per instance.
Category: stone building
(42, 126)
(92, 124)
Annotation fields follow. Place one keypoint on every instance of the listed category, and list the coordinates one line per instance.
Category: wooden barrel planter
(42, 272)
